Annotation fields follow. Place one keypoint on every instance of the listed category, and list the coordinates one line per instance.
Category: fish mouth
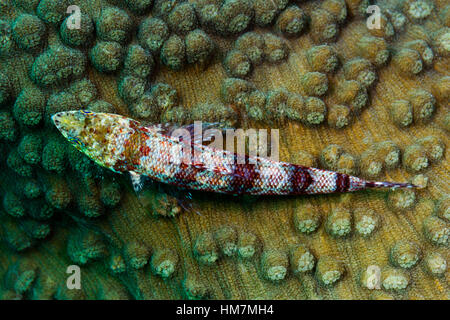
(65, 121)
(56, 118)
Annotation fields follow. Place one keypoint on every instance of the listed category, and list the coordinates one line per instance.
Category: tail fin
(392, 185)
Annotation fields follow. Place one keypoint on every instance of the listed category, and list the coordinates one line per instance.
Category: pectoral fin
(150, 198)
(138, 181)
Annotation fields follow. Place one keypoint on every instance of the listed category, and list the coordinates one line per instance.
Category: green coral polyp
(152, 33)
(58, 193)
(57, 65)
(29, 106)
(18, 165)
(436, 230)
(328, 271)
(13, 206)
(52, 11)
(114, 24)
(366, 221)
(226, 238)
(394, 279)
(6, 41)
(322, 58)
(182, 18)
(85, 246)
(291, 21)
(36, 229)
(274, 265)
(435, 264)
(90, 205)
(31, 189)
(173, 53)
(30, 148)
(84, 91)
(138, 62)
(78, 37)
(7, 126)
(199, 47)
(339, 222)
(106, 56)
(131, 88)
(164, 263)
(205, 249)
(136, 254)
(237, 64)
(405, 254)
(139, 7)
(28, 32)
(306, 218)
(251, 43)
(301, 259)
(110, 193)
(247, 245)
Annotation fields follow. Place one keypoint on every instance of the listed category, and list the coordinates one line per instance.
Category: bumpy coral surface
(372, 102)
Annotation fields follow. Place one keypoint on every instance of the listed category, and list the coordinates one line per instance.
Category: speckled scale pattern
(122, 144)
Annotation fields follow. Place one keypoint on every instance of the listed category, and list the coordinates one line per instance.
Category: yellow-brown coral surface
(310, 247)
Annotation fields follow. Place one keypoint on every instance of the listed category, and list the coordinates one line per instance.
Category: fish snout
(57, 117)
(66, 121)
(67, 117)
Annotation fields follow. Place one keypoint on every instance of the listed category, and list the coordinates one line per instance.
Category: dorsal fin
(196, 137)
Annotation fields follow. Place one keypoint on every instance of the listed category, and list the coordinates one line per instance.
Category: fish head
(100, 136)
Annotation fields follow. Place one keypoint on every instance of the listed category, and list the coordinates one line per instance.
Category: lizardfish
(122, 145)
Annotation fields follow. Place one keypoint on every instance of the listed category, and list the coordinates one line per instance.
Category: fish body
(125, 145)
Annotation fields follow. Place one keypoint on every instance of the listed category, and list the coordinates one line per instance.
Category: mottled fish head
(98, 135)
